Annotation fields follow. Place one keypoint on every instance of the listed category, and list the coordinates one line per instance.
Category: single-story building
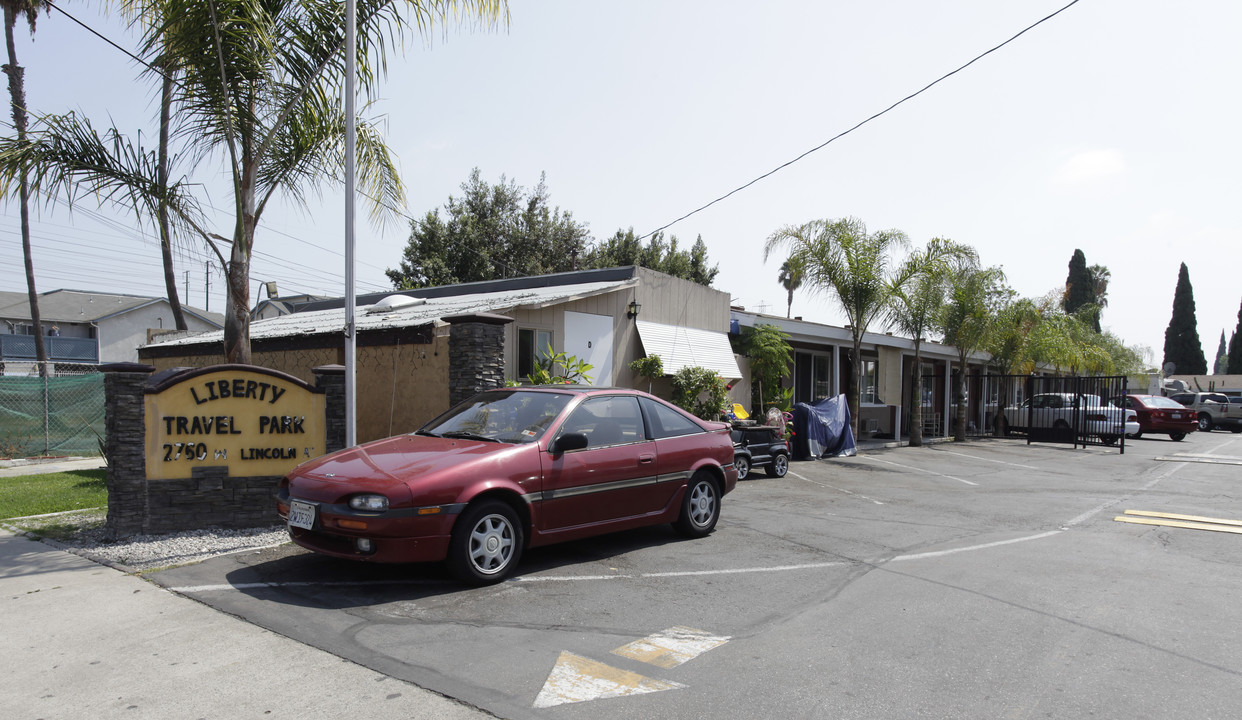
(606, 318)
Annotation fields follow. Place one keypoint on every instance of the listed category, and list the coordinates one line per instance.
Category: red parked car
(1161, 415)
(509, 469)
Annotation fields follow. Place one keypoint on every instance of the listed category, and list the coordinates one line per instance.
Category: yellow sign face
(253, 423)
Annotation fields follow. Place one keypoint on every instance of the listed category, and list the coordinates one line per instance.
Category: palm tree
(975, 295)
(914, 307)
(856, 267)
(791, 279)
(17, 94)
(258, 85)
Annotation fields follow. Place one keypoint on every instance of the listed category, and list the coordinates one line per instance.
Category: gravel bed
(85, 532)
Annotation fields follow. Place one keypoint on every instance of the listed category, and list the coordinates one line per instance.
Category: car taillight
(1157, 414)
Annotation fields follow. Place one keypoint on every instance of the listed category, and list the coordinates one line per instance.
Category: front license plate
(302, 515)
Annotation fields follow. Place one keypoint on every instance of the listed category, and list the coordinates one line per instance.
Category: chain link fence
(61, 413)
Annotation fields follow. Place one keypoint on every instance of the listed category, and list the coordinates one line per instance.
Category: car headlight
(369, 503)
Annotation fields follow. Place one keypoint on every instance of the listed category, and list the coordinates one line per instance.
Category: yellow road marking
(1191, 518)
(1179, 524)
(670, 648)
(578, 679)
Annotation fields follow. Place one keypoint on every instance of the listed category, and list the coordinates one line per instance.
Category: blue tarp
(822, 429)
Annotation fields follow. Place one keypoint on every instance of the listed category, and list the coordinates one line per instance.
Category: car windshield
(509, 416)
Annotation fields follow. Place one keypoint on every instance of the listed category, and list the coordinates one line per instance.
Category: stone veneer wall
(476, 354)
(210, 498)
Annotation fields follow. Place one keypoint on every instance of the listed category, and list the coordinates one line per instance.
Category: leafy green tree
(29, 9)
(770, 355)
(490, 232)
(1234, 366)
(790, 278)
(699, 391)
(258, 86)
(650, 367)
(856, 267)
(1182, 346)
(624, 248)
(975, 294)
(914, 307)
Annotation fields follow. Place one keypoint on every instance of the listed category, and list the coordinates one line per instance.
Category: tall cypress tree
(1218, 365)
(1181, 340)
(1234, 366)
(1079, 287)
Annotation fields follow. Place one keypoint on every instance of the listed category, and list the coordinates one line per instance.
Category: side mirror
(567, 442)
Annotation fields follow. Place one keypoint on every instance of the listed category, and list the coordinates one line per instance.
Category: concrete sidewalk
(38, 466)
(80, 640)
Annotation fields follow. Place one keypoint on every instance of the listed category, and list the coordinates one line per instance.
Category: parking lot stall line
(918, 470)
(834, 487)
(976, 457)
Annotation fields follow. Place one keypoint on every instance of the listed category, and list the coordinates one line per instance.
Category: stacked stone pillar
(476, 354)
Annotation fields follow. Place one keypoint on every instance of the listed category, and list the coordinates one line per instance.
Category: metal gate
(1075, 411)
(1071, 410)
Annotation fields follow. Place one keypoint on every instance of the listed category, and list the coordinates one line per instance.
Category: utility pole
(207, 285)
(187, 284)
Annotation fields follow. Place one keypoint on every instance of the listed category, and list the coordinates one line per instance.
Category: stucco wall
(400, 387)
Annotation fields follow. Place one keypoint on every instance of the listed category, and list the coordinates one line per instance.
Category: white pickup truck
(1213, 409)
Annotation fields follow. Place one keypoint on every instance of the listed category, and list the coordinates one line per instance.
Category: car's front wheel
(700, 508)
(779, 466)
(742, 464)
(486, 543)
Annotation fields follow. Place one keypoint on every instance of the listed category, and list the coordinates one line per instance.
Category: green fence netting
(51, 416)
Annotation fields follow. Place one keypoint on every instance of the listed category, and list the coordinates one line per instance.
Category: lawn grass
(24, 495)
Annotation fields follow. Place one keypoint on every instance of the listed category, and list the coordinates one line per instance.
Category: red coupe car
(509, 469)
(1161, 415)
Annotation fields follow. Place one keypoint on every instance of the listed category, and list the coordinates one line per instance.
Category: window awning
(680, 347)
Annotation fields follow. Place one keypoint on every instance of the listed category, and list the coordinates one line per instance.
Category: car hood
(399, 459)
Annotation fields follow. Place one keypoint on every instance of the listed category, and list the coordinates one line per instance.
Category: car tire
(742, 464)
(1205, 422)
(1177, 437)
(486, 543)
(779, 466)
(1235, 430)
(1109, 440)
(1135, 436)
(700, 506)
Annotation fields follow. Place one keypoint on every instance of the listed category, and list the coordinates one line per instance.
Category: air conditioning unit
(871, 425)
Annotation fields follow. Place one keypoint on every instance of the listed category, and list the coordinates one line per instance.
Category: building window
(532, 345)
(868, 387)
(812, 377)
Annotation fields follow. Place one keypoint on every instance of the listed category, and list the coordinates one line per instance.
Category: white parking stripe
(916, 469)
(834, 487)
(976, 457)
(939, 553)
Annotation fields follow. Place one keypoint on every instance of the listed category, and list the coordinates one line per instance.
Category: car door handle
(646, 459)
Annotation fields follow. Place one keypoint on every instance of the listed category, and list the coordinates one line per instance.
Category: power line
(840, 135)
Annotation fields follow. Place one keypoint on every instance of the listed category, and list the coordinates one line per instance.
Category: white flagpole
(351, 141)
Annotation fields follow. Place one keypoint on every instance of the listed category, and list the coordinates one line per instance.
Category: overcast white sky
(1113, 128)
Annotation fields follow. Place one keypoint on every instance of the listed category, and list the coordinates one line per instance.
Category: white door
(589, 338)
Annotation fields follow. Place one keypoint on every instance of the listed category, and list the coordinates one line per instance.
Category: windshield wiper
(468, 436)
(426, 433)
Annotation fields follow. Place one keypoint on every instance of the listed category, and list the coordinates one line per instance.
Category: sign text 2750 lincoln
(253, 421)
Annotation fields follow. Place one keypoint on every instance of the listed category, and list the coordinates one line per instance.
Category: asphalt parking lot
(986, 579)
